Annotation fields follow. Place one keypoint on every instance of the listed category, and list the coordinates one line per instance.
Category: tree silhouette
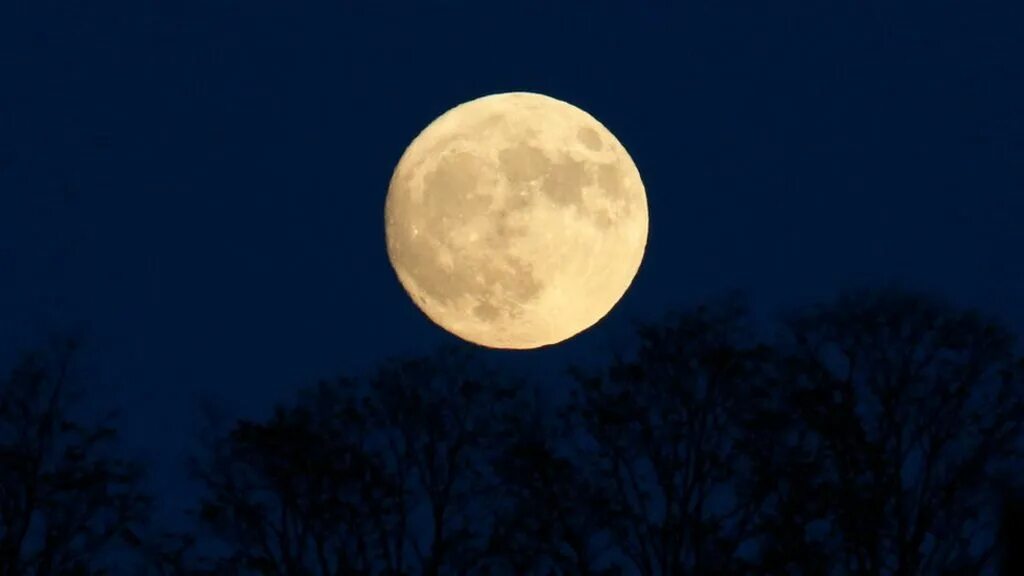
(665, 425)
(897, 415)
(441, 420)
(175, 554)
(300, 493)
(383, 477)
(1011, 530)
(65, 500)
(556, 519)
(868, 438)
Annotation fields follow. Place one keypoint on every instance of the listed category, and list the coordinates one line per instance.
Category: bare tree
(301, 493)
(388, 476)
(555, 518)
(665, 425)
(899, 414)
(1011, 532)
(66, 500)
(440, 421)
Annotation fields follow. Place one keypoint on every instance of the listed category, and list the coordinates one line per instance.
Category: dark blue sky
(199, 185)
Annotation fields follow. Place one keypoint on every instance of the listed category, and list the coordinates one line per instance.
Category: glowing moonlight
(516, 220)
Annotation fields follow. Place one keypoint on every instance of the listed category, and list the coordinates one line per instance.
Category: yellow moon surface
(516, 220)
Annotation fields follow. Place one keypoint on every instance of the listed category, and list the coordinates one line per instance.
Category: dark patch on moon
(486, 311)
(452, 188)
(564, 183)
(517, 200)
(589, 138)
(609, 181)
(488, 124)
(504, 229)
(601, 218)
(523, 163)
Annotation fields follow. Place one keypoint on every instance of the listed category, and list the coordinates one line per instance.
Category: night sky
(198, 186)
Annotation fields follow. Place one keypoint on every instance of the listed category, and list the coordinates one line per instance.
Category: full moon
(516, 220)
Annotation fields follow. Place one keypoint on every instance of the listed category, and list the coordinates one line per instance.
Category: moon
(516, 220)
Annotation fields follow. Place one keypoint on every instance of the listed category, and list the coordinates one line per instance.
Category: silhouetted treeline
(880, 434)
